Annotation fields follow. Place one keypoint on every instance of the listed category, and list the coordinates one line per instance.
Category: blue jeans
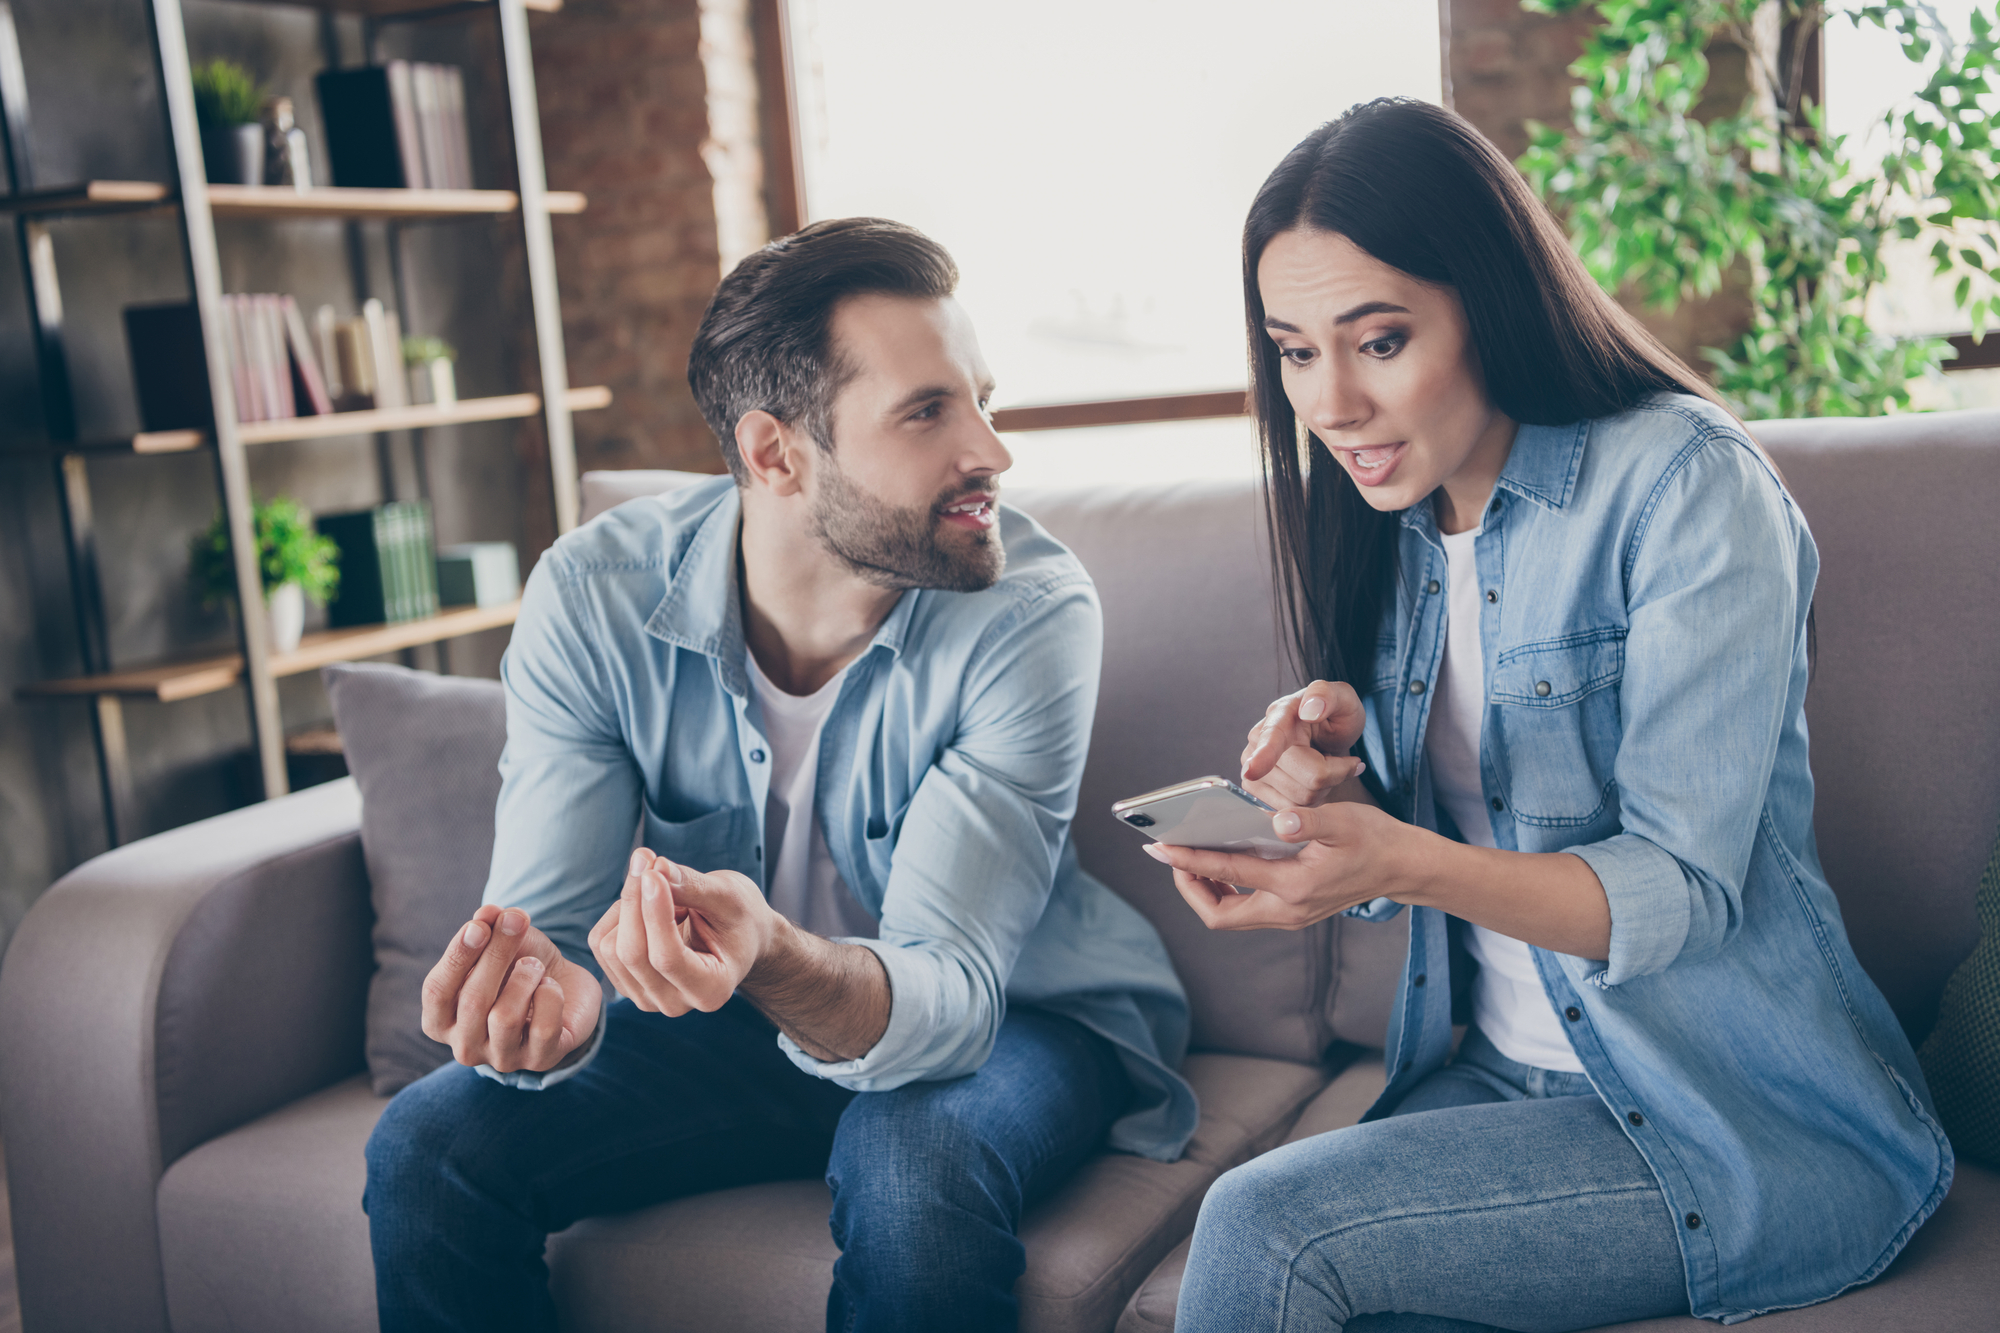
(1496, 1195)
(466, 1178)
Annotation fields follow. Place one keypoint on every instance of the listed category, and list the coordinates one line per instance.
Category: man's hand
(678, 940)
(504, 995)
(1297, 754)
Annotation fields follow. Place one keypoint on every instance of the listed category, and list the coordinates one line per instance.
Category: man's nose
(988, 454)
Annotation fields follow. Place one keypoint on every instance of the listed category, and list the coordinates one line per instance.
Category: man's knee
(902, 1154)
(424, 1137)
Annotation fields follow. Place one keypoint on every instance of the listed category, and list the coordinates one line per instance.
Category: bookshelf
(196, 204)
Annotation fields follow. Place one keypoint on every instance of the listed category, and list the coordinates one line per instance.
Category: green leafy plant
(225, 94)
(423, 351)
(290, 551)
(1665, 205)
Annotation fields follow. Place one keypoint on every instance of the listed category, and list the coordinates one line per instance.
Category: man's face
(906, 499)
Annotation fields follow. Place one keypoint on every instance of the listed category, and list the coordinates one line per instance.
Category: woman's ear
(769, 452)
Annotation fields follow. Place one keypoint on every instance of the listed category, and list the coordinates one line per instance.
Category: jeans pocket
(1559, 726)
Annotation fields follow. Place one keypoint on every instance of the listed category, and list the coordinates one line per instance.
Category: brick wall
(1508, 66)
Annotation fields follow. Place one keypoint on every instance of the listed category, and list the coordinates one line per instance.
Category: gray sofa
(181, 1093)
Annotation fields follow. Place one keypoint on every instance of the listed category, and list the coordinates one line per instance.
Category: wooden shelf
(90, 197)
(281, 201)
(171, 681)
(388, 9)
(504, 408)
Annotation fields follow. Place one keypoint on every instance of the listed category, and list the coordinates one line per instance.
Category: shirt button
(756, 756)
(1422, 977)
(1432, 586)
(1492, 595)
(1572, 1013)
(1416, 687)
(1635, 1118)
(1541, 689)
(1499, 804)
(1694, 1221)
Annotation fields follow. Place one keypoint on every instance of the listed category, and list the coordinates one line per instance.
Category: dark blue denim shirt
(1646, 581)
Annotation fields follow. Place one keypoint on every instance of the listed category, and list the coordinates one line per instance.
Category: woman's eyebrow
(1362, 311)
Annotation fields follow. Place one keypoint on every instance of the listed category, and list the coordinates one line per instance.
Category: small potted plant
(229, 107)
(296, 561)
(432, 379)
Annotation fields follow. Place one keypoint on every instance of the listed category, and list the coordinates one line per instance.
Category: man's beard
(893, 547)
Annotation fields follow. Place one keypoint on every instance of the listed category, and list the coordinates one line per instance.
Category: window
(1089, 164)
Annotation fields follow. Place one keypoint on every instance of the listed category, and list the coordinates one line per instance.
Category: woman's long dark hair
(1424, 192)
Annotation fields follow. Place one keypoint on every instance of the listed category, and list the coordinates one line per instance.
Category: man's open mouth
(974, 511)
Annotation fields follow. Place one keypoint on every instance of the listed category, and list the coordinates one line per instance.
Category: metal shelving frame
(188, 195)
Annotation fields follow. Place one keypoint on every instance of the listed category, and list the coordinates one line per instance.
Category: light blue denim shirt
(948, 775)
(1645, 582)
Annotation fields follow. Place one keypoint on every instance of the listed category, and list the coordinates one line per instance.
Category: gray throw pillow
(425, 751)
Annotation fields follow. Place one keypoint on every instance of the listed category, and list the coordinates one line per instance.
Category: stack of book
(271, 363)
(397, 125)
(388, 564)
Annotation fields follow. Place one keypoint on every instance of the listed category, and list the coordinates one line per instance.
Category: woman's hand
(1297, 752)
(1354, 853)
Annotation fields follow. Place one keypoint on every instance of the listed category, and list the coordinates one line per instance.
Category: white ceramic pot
(285, 616)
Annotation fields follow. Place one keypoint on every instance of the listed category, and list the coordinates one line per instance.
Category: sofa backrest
(1905, 700)
(1191, 658)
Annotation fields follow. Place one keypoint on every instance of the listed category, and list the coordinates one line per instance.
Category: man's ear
(770, 453)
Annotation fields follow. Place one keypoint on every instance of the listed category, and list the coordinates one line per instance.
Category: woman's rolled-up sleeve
(1718, 579)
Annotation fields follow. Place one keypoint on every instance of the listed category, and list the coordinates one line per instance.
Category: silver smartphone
(1211, 813)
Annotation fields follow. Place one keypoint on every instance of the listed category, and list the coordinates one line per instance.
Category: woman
(1562, 606)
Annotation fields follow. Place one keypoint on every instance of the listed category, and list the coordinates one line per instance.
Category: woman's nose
(1337, 406)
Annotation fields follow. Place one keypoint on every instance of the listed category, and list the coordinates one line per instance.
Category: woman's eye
(1384, 347)
(1297, 356)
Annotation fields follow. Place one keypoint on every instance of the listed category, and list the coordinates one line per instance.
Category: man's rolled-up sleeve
(981, 842)
(1716, 612)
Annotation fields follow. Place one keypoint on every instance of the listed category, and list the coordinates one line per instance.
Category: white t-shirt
(1508, 1001)
(804, 883)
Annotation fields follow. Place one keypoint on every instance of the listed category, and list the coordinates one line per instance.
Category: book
(363, 595)
(169, 368)
(370, 127)
(308, 384)
(478, 574)
(400, 124)
(385, 351)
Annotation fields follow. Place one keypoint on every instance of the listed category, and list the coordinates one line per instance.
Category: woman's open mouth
(1373, 465)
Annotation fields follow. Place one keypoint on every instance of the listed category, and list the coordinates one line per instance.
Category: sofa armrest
(155, 997)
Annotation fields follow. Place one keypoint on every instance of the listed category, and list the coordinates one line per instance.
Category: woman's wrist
(1423, 872)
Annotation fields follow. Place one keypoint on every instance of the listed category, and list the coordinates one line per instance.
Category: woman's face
(1381, 368)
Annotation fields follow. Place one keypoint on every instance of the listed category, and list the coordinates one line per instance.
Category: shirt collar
(1543, 463)
(703, 609)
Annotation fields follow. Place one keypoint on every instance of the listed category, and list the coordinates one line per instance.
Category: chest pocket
(724, 839)
(1558, 722)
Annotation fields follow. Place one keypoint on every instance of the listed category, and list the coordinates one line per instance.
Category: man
(845, 699)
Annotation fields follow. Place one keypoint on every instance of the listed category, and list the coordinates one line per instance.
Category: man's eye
(926, 412)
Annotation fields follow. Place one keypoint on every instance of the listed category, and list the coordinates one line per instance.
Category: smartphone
(1211, 813)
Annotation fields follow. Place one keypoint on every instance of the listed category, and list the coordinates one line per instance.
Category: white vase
(285, 616)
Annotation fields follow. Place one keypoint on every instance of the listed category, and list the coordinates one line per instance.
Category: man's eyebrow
(1362, 311)
(917, 397)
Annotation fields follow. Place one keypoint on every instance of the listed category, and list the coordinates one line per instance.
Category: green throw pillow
(1961, 1058)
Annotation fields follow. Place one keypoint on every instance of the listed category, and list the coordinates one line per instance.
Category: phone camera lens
(1139, 821)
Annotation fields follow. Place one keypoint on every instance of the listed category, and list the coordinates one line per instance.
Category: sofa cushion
(425, 750)
(1961, 1057)
(1188, 616)
(263, 1228)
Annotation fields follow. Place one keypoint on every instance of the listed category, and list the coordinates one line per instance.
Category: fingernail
(1359, 769)
(1286, 824)
(1312, 708)
(475, 935)
(512, 922)
(530, 964)
(1157, 852)
(673, 874)
(641, 858)
(650, 886)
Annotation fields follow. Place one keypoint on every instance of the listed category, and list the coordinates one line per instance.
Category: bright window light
(1089, 164)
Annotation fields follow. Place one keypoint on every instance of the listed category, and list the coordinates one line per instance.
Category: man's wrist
(782, 951)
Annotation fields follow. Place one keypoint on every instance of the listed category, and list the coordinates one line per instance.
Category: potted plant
(229, 107)
(431, 376)
(296, 562)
